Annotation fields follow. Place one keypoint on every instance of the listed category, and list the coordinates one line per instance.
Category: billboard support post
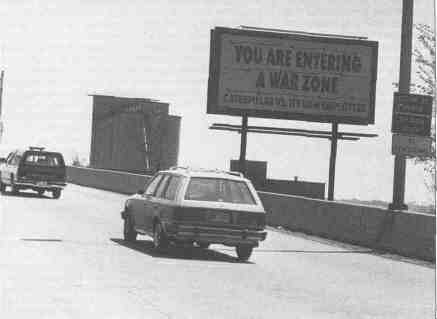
(332, 160)
(243, 144)
(404, 87)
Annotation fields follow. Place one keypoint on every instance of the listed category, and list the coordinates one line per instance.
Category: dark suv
(197, 206)
(34, 169)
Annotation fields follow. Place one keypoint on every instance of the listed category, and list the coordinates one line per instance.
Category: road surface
(66, 259)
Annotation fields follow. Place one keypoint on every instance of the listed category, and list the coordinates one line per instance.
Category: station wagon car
(183, 205)
(34, 169)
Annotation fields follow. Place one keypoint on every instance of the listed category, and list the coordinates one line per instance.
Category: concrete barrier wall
(408, 234)
(114, 181)
(404, 233)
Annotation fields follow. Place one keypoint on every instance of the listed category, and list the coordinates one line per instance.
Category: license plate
(219, 217)
(41, 183)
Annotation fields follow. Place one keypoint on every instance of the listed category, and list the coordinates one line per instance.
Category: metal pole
(332, 160)
(404, 87)
(243, 144)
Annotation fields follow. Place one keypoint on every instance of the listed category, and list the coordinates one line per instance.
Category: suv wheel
(56, 193)
(129, 232)
(14, 189)
(160, 241)
(244, 252)
(2, 188)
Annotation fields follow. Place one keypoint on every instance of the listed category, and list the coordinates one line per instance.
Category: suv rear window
(219, 190)
(43, 159)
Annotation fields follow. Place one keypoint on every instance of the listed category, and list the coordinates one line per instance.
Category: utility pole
(400, 162)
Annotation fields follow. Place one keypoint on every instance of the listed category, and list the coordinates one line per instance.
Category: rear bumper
(212, 235)
(215, 235)
(40, 185)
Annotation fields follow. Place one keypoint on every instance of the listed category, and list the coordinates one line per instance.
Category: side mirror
(140, 192)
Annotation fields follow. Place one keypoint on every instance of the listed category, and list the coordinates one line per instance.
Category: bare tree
(424, 83)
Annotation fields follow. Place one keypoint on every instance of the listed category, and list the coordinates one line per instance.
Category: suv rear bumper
(215, 235)
(39, 185)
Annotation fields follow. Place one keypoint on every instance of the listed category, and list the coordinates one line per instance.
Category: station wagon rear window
(43, 159)
(219, 190)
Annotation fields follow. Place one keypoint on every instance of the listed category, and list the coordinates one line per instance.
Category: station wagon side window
(172, 188)
(162, 186)
(151, 187)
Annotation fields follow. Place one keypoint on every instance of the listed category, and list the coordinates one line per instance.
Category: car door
(155, 204)
(140, 203)
(15, 162)
(9, 167)
(167, 200)
(5, 174)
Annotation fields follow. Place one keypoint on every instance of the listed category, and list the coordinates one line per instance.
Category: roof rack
(234, 173)
(36, 148)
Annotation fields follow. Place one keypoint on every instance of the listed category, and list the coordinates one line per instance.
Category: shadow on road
(178, 252)
(306, 251)
(26, 195)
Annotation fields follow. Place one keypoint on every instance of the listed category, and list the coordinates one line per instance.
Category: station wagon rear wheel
(160, 241)
(244, 252)
(129, 232)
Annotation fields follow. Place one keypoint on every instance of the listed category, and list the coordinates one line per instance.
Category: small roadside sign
(412, 114)
(408, 145)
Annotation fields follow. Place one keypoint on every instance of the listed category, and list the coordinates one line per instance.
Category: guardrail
(404, 233)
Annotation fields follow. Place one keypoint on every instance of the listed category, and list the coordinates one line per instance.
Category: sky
(56, 53)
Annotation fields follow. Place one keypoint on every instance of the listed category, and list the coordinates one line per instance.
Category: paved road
(65, 259)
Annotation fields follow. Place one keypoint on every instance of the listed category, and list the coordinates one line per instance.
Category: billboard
(289, 76)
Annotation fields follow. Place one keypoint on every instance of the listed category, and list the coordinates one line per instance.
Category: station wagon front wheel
(244, 252)
(160, 241)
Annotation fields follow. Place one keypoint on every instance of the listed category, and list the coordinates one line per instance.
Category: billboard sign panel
(411, 145)
(412, 114)
(290, 76)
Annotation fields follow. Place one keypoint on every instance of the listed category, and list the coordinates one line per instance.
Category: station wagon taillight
(249, 219)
